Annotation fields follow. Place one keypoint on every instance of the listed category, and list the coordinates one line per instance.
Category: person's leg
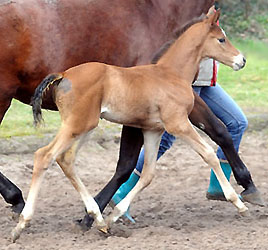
(166, 142)
(224, 107)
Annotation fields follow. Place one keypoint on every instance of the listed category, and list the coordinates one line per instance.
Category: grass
(19, 121)
(249, 87)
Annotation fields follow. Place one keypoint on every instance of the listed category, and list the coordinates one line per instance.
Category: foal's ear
(214, 17)
(211, 11)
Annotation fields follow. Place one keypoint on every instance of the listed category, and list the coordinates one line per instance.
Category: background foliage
(245, 18)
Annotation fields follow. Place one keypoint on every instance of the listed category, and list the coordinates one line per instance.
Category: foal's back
(132, 96)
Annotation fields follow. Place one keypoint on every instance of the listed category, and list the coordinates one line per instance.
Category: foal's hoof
(253, 197)
(15, 234)
(104, 230)
(245, 213)
(103, 227)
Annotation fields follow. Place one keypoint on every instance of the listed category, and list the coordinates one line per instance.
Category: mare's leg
(66, 162)
(130, 146)
(6, 95)
(181, 127)
(10, 192)
(151, 146)
(203, 118)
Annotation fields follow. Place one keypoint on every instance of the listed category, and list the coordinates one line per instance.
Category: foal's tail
(38, 94)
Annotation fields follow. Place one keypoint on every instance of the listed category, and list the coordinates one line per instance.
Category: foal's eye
(222, 40)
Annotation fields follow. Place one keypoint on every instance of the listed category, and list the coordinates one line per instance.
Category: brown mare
(41, 36)
(154, 97)
(44, 36)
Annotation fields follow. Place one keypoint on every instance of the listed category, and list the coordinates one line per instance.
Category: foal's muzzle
(239, 62)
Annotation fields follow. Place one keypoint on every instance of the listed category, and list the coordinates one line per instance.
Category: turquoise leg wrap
(214, 188)
(124, 189)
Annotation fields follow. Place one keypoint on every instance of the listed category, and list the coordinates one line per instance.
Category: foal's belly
(132, 119)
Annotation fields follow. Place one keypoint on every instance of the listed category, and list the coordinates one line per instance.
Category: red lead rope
(215, 69)
(214, 77)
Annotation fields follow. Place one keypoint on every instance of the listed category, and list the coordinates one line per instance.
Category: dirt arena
(172, 213)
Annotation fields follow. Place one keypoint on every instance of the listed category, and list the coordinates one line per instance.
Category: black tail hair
(38, 94)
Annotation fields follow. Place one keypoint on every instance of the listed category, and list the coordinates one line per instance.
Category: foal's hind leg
(42, 159)
(182, 128)
(66, 162)
(151, 146)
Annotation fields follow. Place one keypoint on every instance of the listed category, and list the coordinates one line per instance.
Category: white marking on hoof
(15, 234)
(245, 213)
(104, 230)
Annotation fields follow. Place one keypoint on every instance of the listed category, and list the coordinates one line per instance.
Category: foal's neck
(184, 56)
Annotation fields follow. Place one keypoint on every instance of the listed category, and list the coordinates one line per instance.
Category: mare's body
(41, 36)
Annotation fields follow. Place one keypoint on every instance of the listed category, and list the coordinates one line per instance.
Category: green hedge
(245, 18)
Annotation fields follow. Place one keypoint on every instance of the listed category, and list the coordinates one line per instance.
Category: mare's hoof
(86, 223)
(253, 197)
(18, 207)
(14, 216)
(218, 196)
(16, 210)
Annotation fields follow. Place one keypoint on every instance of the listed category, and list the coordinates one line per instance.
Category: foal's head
(218, 46)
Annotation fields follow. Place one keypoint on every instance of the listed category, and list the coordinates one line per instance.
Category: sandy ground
(172, 213)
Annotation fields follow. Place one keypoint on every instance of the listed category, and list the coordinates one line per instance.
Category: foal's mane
(177, 34)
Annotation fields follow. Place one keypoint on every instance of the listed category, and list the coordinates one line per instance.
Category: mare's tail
(38, 94)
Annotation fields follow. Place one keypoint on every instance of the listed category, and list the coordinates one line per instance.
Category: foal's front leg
(151, 145)
(203, 118)
(181, 127)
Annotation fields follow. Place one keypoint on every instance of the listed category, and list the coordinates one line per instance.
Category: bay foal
(153, 97)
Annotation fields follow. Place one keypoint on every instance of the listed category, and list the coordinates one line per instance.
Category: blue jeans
(224, 107)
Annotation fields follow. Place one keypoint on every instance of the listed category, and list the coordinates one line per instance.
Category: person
(224, 107)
